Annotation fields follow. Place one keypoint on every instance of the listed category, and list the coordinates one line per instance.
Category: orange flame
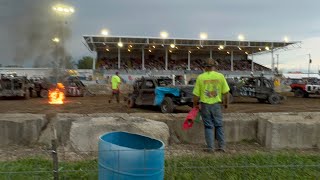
(56, 96)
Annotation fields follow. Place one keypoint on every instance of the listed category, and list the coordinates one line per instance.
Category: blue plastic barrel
(125, 155)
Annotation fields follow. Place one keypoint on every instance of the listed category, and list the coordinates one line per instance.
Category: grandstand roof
(101, 43)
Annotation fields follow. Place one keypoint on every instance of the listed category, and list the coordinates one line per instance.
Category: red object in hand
(191, 117)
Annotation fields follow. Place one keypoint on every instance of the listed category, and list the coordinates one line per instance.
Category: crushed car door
(147, 92)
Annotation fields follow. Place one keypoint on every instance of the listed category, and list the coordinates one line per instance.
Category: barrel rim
(126, 132)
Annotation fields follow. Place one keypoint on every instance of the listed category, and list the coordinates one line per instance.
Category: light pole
(62, 10)
(56, 41)
(310, 61)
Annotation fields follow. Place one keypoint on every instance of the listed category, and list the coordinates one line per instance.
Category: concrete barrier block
(21, 129)
(84, 134)
(293, 131)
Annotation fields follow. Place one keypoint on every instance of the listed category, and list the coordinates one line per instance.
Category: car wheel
(298, 93)
(44, 93)
(131, 102)
(274, 99)
(167, 105)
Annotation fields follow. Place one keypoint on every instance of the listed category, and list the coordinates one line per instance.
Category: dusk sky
(257, 20)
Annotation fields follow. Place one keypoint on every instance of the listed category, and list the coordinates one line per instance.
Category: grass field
(250, 166)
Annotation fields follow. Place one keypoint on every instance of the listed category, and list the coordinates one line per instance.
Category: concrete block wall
(272, 130)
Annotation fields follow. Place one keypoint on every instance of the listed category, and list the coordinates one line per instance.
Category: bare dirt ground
(99, 104)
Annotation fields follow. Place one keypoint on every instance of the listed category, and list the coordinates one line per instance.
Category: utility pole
(277, 61)
(310, 61)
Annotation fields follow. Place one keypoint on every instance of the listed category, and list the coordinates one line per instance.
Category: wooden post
(55, 159)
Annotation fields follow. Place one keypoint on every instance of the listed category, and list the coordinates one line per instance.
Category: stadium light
(130, 46)
(104, 32)
(129, 50)
(198, 47)
(172, 45)
(154, 47)
(221, 47)
(246, 53)
(107, 49)
(63, 9)
(190, 52)
(150, 50)
(170, 51)
(164, 34)
(120, 44)
(260, 49)
(286, 39)
(56, 40)
(240, 48)
(241, 37)
(228, 52)
(267, 48)
(203, 35)
(176, 47)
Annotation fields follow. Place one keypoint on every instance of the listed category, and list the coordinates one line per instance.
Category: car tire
(131, 102)
(44, 93)
(274, 99)
(298, 93)
(167, 105)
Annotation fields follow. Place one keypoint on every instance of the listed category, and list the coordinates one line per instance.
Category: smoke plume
(32, 26)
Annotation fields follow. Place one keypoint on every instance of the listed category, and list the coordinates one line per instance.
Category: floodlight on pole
(267, 48)
(56, 40)
(203, 35)
(164, 34)
(241, 37)
(63, 9)
(286, 39)
(172, 45)
(120, 44)
(104, 32)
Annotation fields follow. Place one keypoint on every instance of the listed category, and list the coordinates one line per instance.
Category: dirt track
(99, 104)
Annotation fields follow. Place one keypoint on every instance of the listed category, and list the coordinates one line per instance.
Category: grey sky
(257, 20)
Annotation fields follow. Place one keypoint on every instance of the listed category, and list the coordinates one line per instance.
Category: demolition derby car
(73, 86)
(260, 88)
(304, 90)
(162, 92)
(15, 86)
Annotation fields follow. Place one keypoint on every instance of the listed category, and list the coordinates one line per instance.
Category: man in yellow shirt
(115, 85)
(211, 89)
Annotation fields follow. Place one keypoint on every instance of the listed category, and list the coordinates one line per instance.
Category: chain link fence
(184, 162)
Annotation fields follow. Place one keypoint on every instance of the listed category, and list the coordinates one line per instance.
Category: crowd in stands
(181, 64)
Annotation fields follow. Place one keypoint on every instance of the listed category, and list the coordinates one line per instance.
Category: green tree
(85, 63)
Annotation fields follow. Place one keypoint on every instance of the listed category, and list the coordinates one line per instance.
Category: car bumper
(9, 93)
(185, 100)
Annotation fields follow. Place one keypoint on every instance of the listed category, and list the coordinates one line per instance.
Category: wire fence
(188, 162)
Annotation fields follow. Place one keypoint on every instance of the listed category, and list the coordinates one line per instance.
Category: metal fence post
(55, 159)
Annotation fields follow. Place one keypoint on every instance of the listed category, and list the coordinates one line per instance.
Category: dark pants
(212, 118)
(115, 94)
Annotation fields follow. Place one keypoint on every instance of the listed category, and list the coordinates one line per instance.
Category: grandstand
(176, 54)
